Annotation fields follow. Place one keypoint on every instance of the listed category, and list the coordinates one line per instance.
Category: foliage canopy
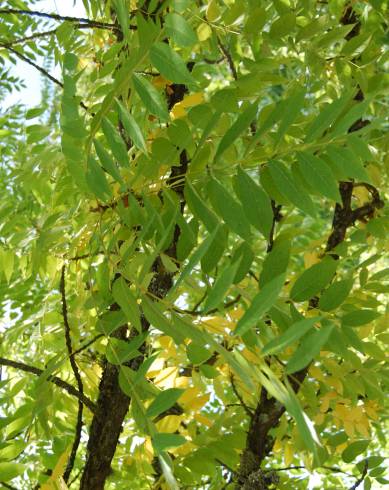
(192, 246)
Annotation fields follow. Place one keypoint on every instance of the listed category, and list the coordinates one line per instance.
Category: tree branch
(38, 35)
(53, 379)
(35, 13)
(228, 57)
(76, 372)
(85, 346)
(362, 477)
(37, 67)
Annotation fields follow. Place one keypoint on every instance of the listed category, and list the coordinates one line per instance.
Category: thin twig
(85, 346)
(362, 477)
(85, 256)
(39, 68)
(228, 57)
(27, 60)
(287, 468)
(30, 38)
(249, 412)
(53, 379)
(194, 312)
(276, 217)
(76, 372)
(35, 13)
(38, 35)
(7, 485)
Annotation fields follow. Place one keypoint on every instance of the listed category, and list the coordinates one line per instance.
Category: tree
(193, 241)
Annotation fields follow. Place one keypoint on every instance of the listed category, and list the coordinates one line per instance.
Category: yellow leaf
(183, 450)
(182, 382)
(190, 401)
(204, 32)
(277, 446)
(362, 194)
(203, 420)
(288, 454)
(349, 428)
(315, 372)
(363, 427)
(371, 407)
(188, 396)
(335, 383)
(311, 258)
(193, 99)
(319, 419)
(251, 356)
(237, 313)
(188, 101)
(178, 111)
(56, 482)
(170, 423)
(160, 82)
(341, 447)
(166, 378)
(213, 12)
(217, 324)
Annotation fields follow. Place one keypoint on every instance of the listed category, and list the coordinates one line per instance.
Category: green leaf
(202, 338)
(127, 302)
(209, 372)
(150, 97)
(256, 203)
(356, 45)
(327, 117)
(199, 208)
(9, 471)
(276, 261)
(197, 354)
(170, 64)
(241, 124)
(122, 13)
(318, 174)
(334, 296)
(163, 441)
(195, 258)
(221, 286)
(359, 147)
(353, 450)
(97, 182)
(163, 402)
(110, 321)
(283, 25)
(157, 319)
(244, 256)
(286, 396)
(288, 187)
(131, 127)
(295, 104)
(229, 209)
(119, 351)
(359, 317)
(314, 279)
(355, 113)
(261, 303)
(106, 161)
(212, 256)
(115, 142)
(294, 332)
(348, 163)
(309, 348)
(179, 30)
